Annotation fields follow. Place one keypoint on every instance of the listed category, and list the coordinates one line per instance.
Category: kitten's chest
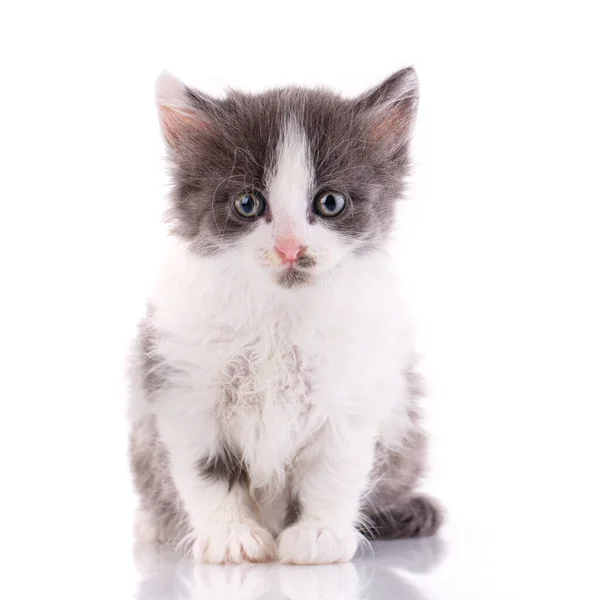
(266, 406)
(266, 370)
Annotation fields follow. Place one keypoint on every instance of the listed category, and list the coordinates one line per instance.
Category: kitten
(274, 408)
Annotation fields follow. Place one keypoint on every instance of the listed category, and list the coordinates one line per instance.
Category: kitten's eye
(250, 205)
(329, 204)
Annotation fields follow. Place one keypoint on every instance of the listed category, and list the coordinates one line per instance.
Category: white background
(499, 246)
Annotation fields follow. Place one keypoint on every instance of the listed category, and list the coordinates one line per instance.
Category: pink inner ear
(391, 125)
(179, 122)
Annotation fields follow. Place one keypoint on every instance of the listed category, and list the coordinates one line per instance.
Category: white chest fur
(279, 363)
(265, 384)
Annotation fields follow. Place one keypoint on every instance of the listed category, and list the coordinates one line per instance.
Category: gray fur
(292, 278)
(293, 511)
(161, 509)
(160, 503)
(226, 466)
(152, 367)
(415, 516)
(306, 261)
(359, 147)
(392, 509)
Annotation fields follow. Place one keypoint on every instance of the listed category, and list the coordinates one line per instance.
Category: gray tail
(417, 516)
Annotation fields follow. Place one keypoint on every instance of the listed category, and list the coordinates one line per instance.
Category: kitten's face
(291, 182)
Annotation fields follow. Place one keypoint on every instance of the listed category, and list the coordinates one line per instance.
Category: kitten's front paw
(317, 544)
(234, 544)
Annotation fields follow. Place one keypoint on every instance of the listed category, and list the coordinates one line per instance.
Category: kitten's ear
(184, 113)
(391, 107)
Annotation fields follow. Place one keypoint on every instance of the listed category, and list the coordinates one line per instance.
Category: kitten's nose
(289, 249)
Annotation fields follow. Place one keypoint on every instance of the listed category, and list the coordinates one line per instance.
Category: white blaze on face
(290, 187)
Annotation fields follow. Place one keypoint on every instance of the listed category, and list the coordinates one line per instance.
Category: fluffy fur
(274, 406)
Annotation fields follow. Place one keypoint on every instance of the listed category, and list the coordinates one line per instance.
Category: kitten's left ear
(391, 107)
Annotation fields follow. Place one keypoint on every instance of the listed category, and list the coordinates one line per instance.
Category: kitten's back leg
(415, 516)
(392, 509)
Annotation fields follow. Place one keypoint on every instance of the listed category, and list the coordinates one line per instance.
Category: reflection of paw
(317, 544)
(233, 544)
(334, 582)
(237, 582)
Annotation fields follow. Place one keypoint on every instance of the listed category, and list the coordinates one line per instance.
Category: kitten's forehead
(291, 180)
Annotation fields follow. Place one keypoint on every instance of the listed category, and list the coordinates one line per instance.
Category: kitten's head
(289, 182)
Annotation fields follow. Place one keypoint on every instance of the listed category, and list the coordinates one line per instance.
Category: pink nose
(289, 250)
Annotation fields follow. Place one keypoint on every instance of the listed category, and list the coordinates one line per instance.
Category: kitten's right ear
(390, 107)
(183, 112)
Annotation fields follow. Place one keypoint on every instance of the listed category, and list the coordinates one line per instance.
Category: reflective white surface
(385, 574)
(90, 562)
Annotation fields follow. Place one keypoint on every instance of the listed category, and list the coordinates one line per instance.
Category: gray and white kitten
(275, 410)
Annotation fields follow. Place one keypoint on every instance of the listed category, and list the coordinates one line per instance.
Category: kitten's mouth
(294, 277)
(295, 274)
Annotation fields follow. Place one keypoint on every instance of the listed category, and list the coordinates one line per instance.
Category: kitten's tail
(417, 516)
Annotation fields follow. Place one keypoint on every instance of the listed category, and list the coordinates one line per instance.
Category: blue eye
(329, 204)
(250, 205)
